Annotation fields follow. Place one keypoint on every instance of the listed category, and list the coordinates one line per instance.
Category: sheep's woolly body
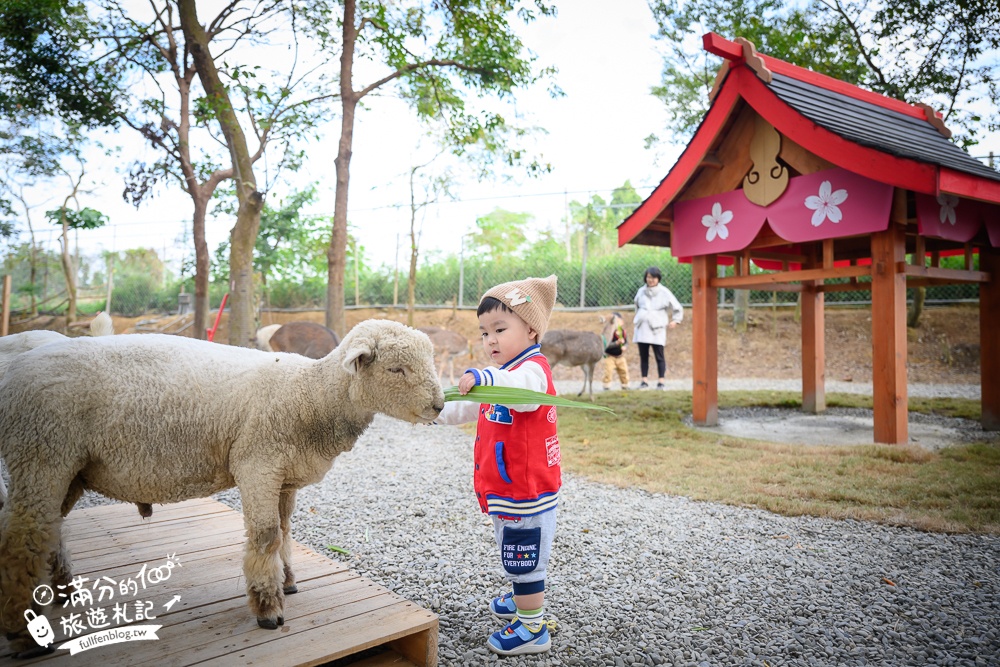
(156, 418)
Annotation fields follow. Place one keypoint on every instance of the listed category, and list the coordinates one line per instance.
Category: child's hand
(466, 383)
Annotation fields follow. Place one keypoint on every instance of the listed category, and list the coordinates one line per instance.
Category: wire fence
(138, 282)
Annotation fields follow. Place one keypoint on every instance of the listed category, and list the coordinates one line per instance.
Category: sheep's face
(391, 370)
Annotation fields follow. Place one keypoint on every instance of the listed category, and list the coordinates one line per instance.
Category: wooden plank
(989, 341)
(813, 349)
(704, 342)
(944, 275)
(387, 659)
(363, 631)
(889, 329)
(800, 159)
(733, 152)
(338, 611)
(766, 279)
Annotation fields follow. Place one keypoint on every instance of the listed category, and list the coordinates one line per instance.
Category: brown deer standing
(574, 348)
(306, 338)
(447, 344)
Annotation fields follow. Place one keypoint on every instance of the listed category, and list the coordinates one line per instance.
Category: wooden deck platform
(335, 615)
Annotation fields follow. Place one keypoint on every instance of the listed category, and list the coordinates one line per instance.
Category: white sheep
(158, 419)
(16, 344)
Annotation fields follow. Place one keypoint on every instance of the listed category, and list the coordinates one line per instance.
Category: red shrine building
(813, 179)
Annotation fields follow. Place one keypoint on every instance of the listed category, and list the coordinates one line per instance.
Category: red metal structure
(210, 333)
(813, 179)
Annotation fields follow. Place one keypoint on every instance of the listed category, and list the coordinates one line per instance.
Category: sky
(594, 141)
(607, 60)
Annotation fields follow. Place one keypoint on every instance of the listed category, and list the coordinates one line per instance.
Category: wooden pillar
(989, 341)
(5, 312)
(889, 328)
(704, 342)
(813, 346)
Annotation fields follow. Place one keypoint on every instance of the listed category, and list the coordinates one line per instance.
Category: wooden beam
(813, 348)
(920, 252)
(989, 341)
(758, 279)
(704, 342)
(950, 275)
(889, 328)
(827, 253)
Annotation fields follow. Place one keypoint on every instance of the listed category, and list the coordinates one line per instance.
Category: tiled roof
(876, 126)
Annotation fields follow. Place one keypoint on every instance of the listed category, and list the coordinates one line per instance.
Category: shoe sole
(525, 649)
(504, 617)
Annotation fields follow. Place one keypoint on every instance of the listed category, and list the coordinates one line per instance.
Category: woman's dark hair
(489, 304)
(653, 271)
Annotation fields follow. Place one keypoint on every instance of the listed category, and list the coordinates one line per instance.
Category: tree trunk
(201, 263)
(411, 283)
(919, 296)
(69, 272)
(336, 254)
(244, 233)
(741, 307)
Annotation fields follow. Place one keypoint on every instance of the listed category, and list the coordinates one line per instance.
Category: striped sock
(532, 619)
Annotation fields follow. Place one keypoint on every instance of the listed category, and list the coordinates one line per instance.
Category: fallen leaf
(888, 581)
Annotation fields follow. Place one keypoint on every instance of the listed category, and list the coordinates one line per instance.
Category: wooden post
(889, 328)
(813, 344)
(989, 342)
(704, 342)
(5, 315)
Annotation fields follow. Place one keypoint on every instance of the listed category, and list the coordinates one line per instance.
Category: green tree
(800, 36)
(500, 234)
(435, 55)
(940, 53)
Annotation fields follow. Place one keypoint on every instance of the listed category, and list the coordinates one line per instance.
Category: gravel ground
(650, 579)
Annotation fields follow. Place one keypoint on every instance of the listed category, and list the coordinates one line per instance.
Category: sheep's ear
(360, 354)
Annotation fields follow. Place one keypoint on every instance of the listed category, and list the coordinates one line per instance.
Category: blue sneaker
(516, 639)
(504, 607)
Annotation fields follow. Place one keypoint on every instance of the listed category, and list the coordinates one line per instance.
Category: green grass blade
(512, 396)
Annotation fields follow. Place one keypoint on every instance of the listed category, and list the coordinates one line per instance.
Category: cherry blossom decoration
(826, 205)
(948, 203)
(716, 223)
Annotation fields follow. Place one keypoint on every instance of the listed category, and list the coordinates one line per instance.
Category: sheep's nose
(438, 406)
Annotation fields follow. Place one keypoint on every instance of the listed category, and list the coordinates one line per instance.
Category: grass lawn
(645, 444)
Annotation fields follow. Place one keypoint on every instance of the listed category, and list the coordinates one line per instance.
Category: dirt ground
(944, 349)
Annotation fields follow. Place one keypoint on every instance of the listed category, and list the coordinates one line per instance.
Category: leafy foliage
(941, 52)
(47, 64)
(85, 218)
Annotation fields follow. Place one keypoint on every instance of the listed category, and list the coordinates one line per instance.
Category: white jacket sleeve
(528, 375)
(676, 309)
(458, 412)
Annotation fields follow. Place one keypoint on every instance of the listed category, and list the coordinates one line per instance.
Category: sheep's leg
(286, 506)
(262, 564)
(29, 535)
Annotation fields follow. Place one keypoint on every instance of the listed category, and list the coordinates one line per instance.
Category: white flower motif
(717, 222)
(825, 205)
(948, 204)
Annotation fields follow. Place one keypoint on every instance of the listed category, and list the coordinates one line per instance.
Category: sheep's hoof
(269, 624)
(291, 590)
(145, 510)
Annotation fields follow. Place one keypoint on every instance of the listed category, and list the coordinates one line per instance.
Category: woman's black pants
(661, 364)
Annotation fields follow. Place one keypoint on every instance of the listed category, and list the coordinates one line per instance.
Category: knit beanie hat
(531, 299)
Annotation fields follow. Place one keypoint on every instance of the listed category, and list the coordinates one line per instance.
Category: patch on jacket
(552, 450)
(499, 414)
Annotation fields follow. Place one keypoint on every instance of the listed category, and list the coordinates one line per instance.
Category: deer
(306, 338)
(447, 344)
(574, 348)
